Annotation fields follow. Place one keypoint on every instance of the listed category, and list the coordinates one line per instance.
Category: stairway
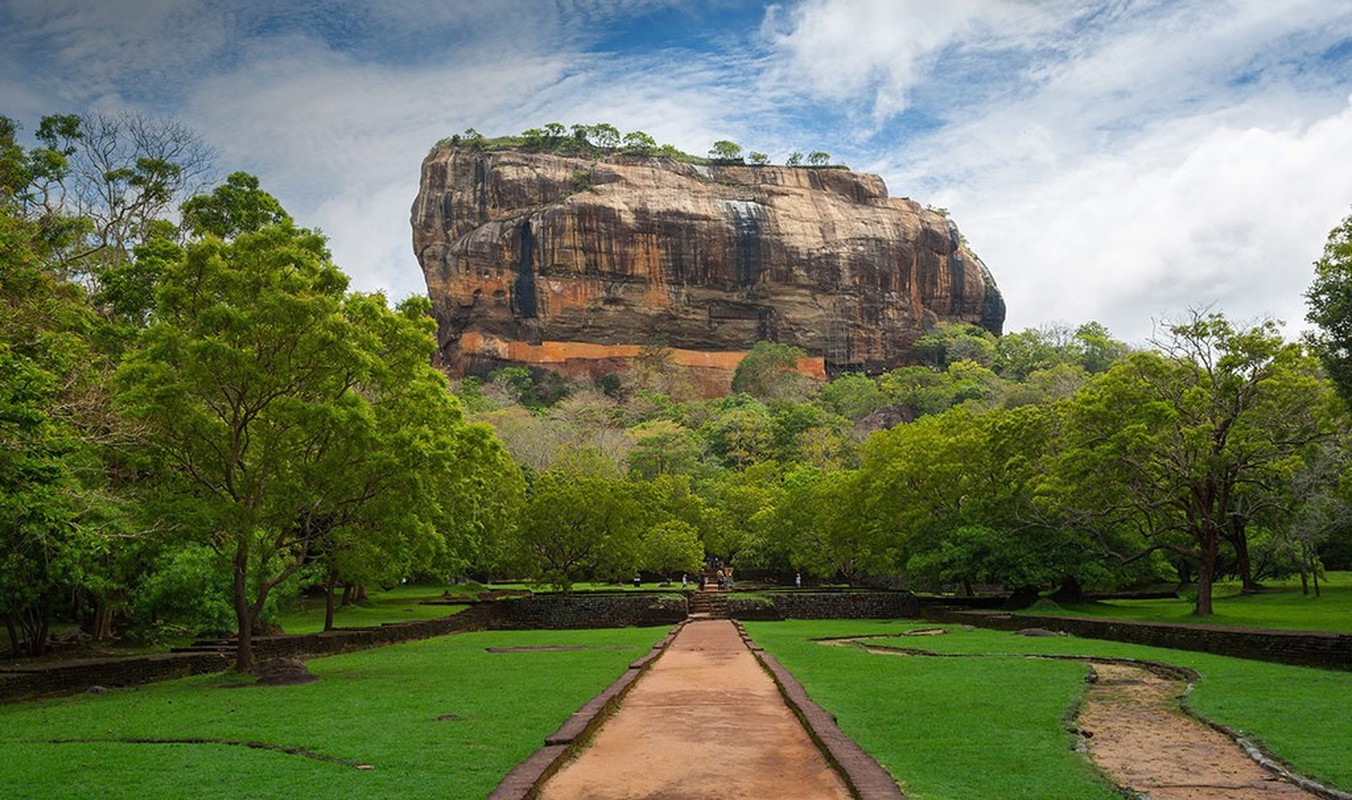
(709, 603)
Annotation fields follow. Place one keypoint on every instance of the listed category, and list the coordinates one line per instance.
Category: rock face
(576, 263)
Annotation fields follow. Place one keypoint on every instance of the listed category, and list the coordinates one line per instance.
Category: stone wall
(845, 605)
(590, 610)
(79, 675)
(1304, 648)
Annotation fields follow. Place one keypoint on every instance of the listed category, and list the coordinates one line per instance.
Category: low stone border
(1300, 648)
(863, 776)
(526, 778)
(1252, 749)
(70, 677)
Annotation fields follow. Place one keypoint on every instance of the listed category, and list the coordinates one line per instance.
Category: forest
(201, 421)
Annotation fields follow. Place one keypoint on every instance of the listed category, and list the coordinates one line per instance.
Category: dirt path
(1143, 741)
(706, 721)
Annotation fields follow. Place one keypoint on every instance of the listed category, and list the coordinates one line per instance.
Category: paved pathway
(705, 721)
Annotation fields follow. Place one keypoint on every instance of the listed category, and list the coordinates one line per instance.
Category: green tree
(926, 390)
(742, 509)
(853, 396)
(268, 400)
(671, 546)
(726, 150)
(236, 206)
(1330, 307)
(639, 143)
(949, 342)
(795, 159)
(817, 158)
(393, 488)
(52, 414)
(820, 514)
(741, 433)
(769, 371)
(554, 133)
(42, 547)
(577, 526)
(663, 447)
(123, 173)
(605, 136)
(760, 159)
(249, 360)
(1166, 444)
(1022, 353)
(1095, 348)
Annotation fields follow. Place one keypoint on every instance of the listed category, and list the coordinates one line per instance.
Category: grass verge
(993, 726)
(437, 718)
(400, 604)
(1281, 606)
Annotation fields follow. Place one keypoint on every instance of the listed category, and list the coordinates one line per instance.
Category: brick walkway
(705, 721)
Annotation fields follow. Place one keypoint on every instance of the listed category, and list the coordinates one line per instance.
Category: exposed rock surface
(575, 263)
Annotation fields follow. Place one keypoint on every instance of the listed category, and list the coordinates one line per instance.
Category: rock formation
(575, 263)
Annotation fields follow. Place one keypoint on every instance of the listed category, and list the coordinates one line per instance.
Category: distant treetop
(604, 139)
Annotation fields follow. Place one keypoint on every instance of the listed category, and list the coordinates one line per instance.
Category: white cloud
(340, 140)
(880, 50)
(1129, 163)
(1233, 218)
(89, 54)
(1112, 161)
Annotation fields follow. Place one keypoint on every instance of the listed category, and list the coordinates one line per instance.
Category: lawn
(400, 604)
(1282, 606)
(404, 603)
(993, 725)
(440, 718)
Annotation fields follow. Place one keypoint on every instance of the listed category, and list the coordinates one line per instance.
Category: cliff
(574, 263)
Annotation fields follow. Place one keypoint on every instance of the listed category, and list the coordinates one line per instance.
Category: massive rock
(576, 263)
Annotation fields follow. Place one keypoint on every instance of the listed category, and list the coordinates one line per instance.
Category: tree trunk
(1206, 574)
(13, 635)
(243, 613)
(1022, 597)
(1239, 540)
(103, 623)
(44, 624)
(329, 587)
(33, 628)
(360, 594)
(1071, 591)
(347, 595)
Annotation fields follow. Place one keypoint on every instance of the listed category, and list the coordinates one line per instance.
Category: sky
(1122, 161)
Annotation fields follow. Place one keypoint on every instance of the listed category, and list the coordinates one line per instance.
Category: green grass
(991, 726)
(403, 603)
(376, 707)
(400, 604)
(1282, 607)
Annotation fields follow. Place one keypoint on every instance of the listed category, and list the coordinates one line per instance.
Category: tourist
(798, 580)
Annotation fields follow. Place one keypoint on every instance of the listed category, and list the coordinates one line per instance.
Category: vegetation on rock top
(590, 141)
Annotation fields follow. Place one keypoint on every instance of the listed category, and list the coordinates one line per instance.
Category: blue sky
(1120, 161)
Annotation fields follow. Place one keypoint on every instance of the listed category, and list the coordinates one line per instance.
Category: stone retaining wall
(1303, 648)
(555, 611)
(77, 676)
(824, 605)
